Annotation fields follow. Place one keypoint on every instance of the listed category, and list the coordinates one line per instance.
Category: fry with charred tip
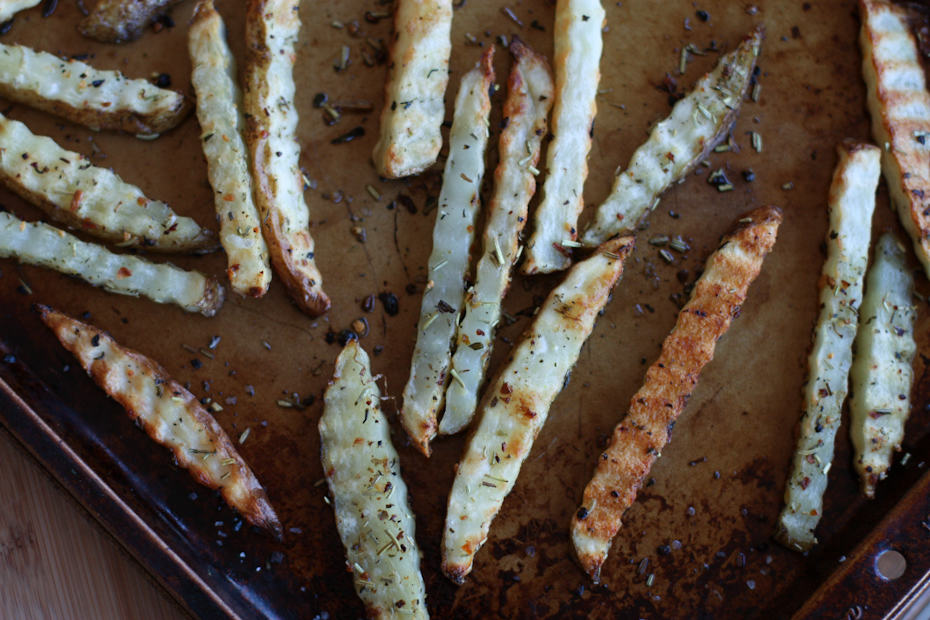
(643, 433)
(121, 21)
(369, 495)
(414, 107)
(459, 202)
(218, 111)
(578, 44)
(697, 124)
(9, 8)
(78, 92)
(899, 105)
(168, 413)
(517, 402)
(881, 374)
(272, 28)
(94, 200)
(37, 243)
(525, 110)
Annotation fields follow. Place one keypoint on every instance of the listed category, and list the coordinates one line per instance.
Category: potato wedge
(168, 413)
(221, 124)
(272, 28)
(881, 374)
(639, 439)
(578, 45)
(517, 403)
(121, 21)
(851, 203)
(459, 202)
(677, 144)
(414, 104)
(899, 105)
(369, 495)
(9, 8)
(528, 101)
(95, 200)
(36, 243)
(80, 93)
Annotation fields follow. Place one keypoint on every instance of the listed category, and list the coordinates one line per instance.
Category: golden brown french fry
(120, 21)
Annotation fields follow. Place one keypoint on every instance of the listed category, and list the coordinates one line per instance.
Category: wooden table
(56, 561)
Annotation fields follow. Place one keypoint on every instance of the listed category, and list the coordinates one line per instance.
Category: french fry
(95, 200)
(168, 413)
(516, 405)
(414, 107)
(526, 108)
(578, 45)
(218, 101)
(899, 105)
(9, 8)
(459, 202)
(881, 374)
(121, 21)
(272, 28)
(78, 92)
(852, 200)
(677, 144)
(369, 495)
(36, 243)
(638, 440)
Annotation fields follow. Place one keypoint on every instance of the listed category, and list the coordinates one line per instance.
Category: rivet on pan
(890, 564)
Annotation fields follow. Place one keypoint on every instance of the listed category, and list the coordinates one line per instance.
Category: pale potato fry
(516, 405)
(899, 105)
(373, 513)
(459, 202)
(677, 144)
(36, 243)
(221, 123)
(272, 28)
(95, 200)
(639, 439)
(851, 203)
(578, 45)
(414, 104)
(168, 413)
(9, 8)
(526, 108)
(120, 21)
(78, 92)
(881, 374)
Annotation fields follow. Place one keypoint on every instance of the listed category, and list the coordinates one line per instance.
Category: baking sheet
(716, 491)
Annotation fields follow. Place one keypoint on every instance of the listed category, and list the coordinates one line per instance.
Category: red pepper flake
(805, 482)
(123, 273)
(76, 200)
(506, 389)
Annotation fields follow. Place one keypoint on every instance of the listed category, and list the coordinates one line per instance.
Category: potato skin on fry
(272, 28)
(646, 429)
(121, 21)
(168, 413)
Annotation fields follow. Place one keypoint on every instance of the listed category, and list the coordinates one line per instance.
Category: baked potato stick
(218, 100)
(80, 93)
(453, 233)
(413, 96)
(9, 8)
(900, 108)
(677, 144)
(272, 27)
(852, 200)
(881, 375)
(578, 44)
(639, 439)
(36, 243)
(369, 496)
(526, 108)
(517, 402)
(168, 413)
(120, 21)
(95, 200)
